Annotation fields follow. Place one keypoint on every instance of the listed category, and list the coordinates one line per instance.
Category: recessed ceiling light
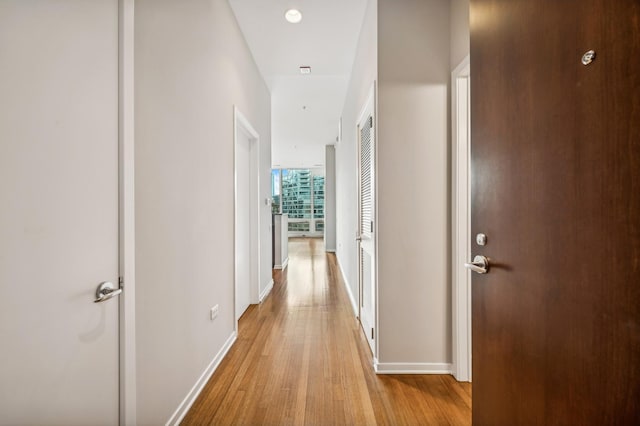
(293, 15)
(305, 70)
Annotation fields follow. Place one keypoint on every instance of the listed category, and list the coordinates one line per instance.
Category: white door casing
(59, 216)
(461, 221)
(128, 392)
(247, 211)
(366, 221)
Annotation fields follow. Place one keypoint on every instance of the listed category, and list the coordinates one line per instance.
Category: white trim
(374, 94)
(411, 368)
(188, 401)
(239, 120)
(283, 266)
(330, 251)
(354, 305)
(127, 243)
(461, 221)
(463, 69)
(368, 106)
(266, 291)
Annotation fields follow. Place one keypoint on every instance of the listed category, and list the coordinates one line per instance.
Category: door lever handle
(106, 291)
(480, 265)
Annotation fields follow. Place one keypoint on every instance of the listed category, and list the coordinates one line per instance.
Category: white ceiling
(305, 108)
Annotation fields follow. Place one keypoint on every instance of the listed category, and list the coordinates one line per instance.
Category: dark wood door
(556, 188)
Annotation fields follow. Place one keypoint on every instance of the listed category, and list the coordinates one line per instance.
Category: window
(275, 191)
(318, 197)
(296, 193)
(300, 194)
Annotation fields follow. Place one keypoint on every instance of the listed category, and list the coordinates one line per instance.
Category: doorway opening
(246, 214)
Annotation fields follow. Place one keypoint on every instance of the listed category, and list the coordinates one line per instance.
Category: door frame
(126, 212)
(369, 108)
(240, 121)
(461, 220)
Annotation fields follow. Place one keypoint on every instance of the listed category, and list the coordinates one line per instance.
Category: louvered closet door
(366, 212)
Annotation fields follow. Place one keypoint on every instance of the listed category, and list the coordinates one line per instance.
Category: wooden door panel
(556, 187)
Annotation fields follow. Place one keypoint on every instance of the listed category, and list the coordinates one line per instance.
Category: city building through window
(300, 194)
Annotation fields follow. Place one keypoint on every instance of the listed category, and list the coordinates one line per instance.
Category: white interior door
(243, 221)
(59, 211)
(366, 234)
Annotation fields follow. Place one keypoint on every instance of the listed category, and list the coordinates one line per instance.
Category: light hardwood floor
(301, 359)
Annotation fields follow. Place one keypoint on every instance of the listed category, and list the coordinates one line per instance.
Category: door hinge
(371, 226)
(371, 122)
(120, 282)
(371, 333)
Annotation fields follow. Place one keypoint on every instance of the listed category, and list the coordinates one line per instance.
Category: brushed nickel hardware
(105, 291)
(480, 265)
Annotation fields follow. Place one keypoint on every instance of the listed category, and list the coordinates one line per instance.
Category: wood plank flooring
(301, 359)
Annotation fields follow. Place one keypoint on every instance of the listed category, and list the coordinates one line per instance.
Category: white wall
(300, 135)
(363, 76)
(459, 31)
(413, 276)
(405, 46)
(192, 66)
(302, 156)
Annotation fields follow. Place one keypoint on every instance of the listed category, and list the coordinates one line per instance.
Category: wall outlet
(214, 312)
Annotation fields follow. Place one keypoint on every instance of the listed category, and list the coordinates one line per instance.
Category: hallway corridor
(301, 359)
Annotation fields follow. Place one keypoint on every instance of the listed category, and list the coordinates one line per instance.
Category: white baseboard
(354, 305)
(283, 266)
(266, 291)
(411, 368)
(330, 250)
(183, 408)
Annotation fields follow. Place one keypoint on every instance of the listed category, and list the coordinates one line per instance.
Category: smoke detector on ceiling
(305, 70)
